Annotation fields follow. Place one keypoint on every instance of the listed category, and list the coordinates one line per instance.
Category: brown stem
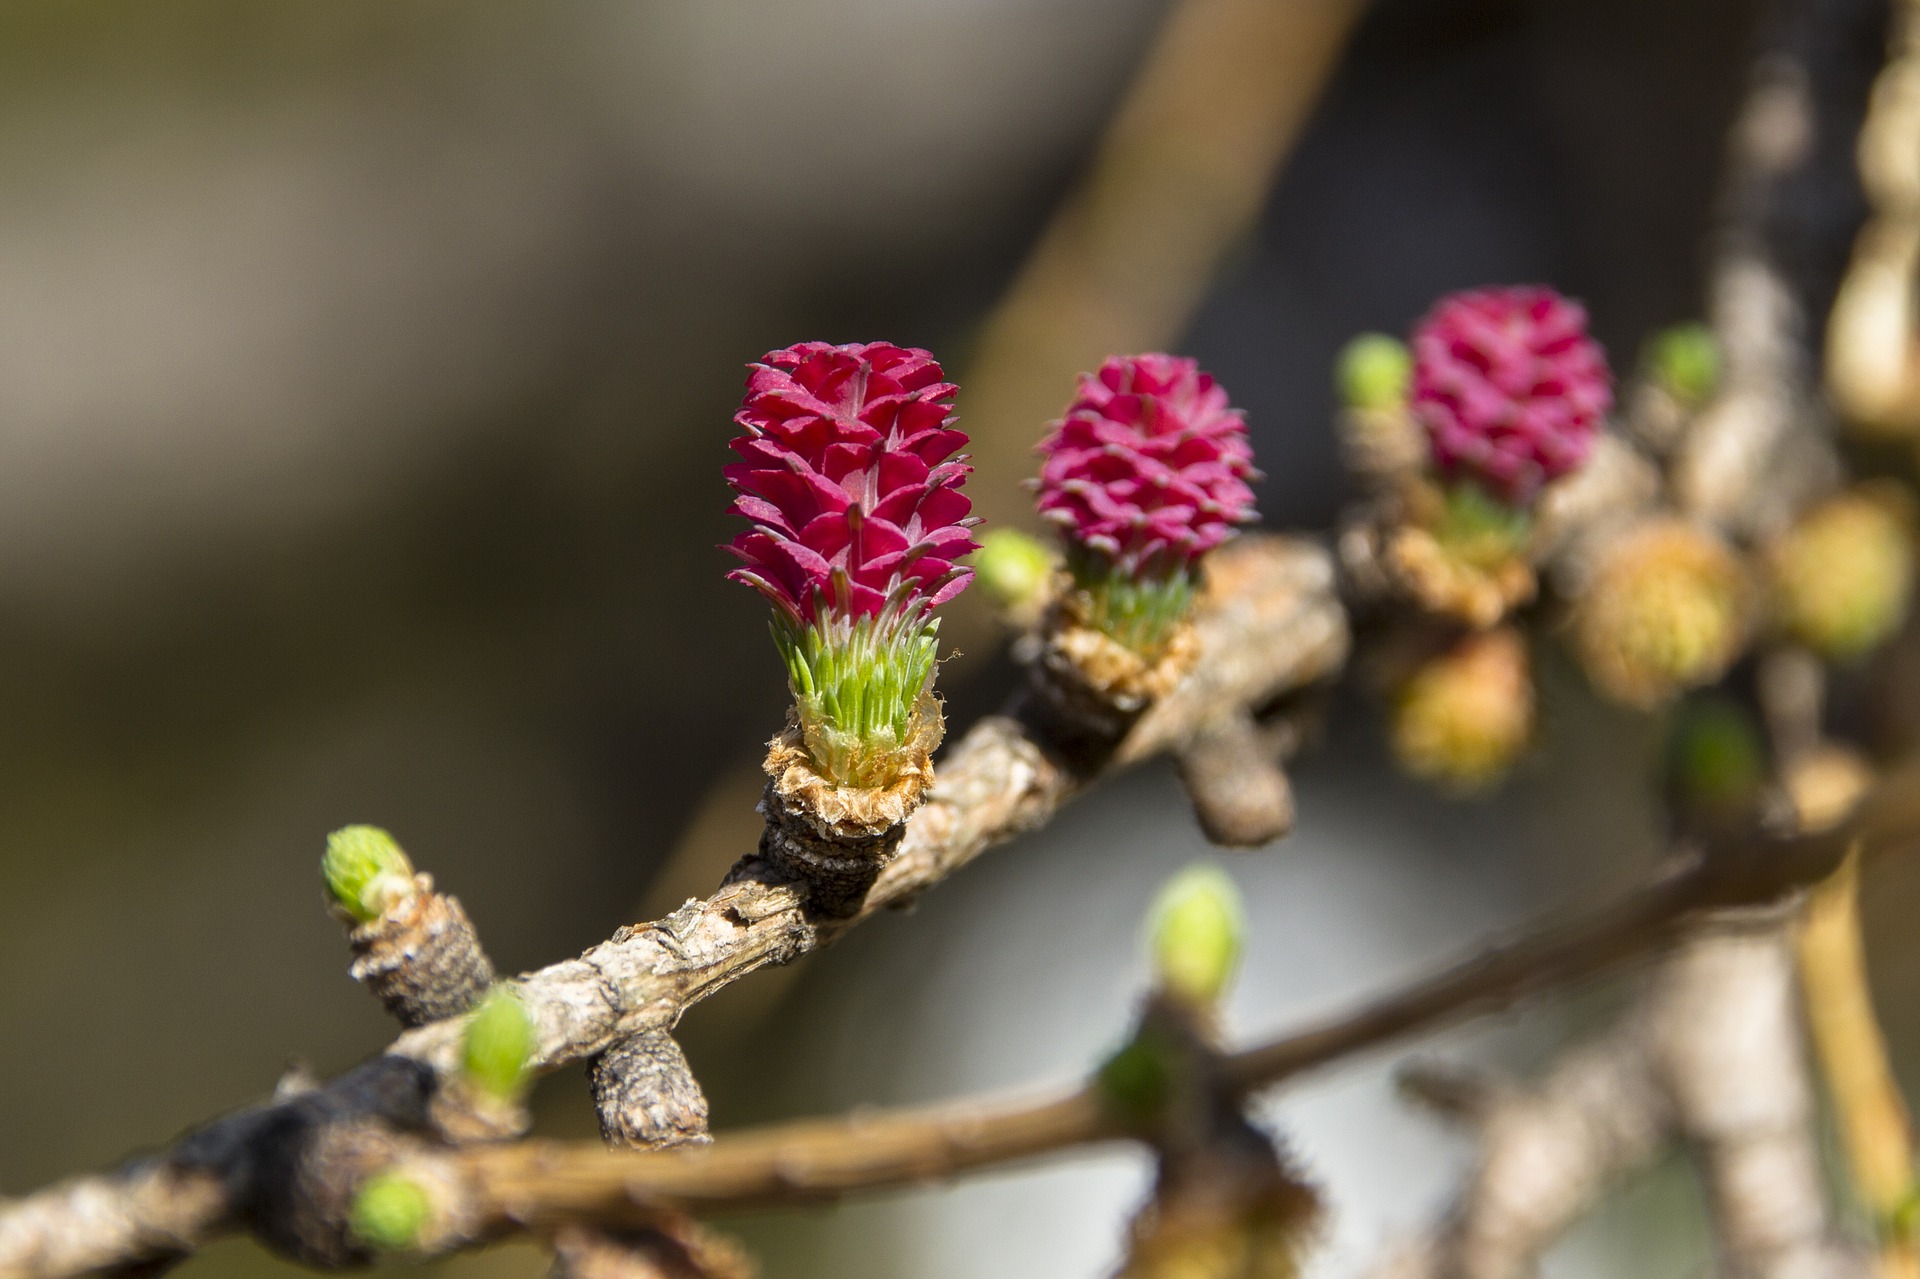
(1873, 1119)
(487, 1190)
(1000, 780)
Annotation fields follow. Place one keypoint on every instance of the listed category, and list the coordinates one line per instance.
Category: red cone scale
(1509, 387)
(1149, 466)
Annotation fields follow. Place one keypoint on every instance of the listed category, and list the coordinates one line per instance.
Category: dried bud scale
(1457, 553)
(850, 474)
(1843, 574)
(1465, 715)
(1226, 1204)
(1145, 473)
(1824, 784)
(422, 959)
(1667, 609)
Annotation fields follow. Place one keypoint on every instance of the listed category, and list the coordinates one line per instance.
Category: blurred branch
(482, 1192)
(1756, 453)
(1727, 1029)
(1268, 621)
(286, 1171)
(1179, 178)
(1872, 1115)
(1872, 370)
(1546, 1151)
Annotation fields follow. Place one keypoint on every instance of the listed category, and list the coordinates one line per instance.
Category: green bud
(365, 871)
(1717, 762)
(1686, 362)
(1372, 372)
(1137, 1079)
(1014, 566)
(390, 1212)
(499, 1045)
(1197, 927)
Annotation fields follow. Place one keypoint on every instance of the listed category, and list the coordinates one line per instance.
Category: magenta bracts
(1509, 387)
(850, 474)
(1150, 465)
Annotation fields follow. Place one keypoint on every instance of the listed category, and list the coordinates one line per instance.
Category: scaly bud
(851, 478)
(1146, 472)
(1017, 571)
(1464, 716)
(1198, 927)
(366, 872)
(1666, 610)
(390, 1212)
(497, 1054)
(1685, 363)
(1509, 387)
(1843, 575)
(1372, 372)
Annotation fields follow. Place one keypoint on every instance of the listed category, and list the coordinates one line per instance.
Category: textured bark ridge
(422, 958)
(646, 1094)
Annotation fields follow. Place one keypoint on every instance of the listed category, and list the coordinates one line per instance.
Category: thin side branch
(486, 1191)
(1268, 622)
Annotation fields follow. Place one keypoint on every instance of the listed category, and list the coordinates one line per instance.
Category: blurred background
(366, 370)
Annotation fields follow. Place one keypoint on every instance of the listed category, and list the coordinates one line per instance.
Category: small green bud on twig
(1372, 372)
(1137, 1079)
(1016, 568)
(499, 1045)
(1198, 925)
(1685, 362)
(1716, 761)
(366, 872)
(390, 1212)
